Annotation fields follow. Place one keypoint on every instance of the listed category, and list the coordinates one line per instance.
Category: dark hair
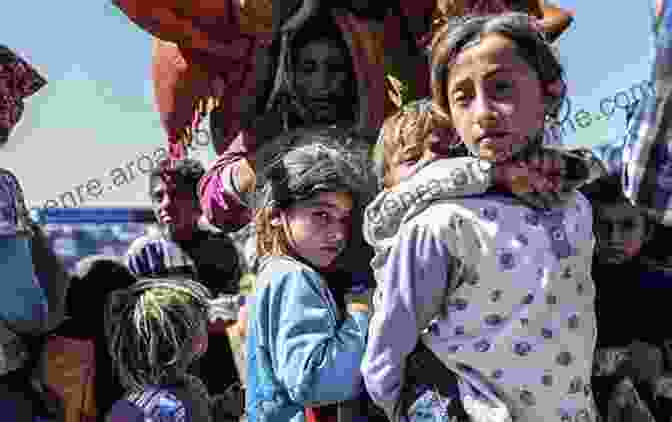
(94, 278)
(151, 328)
(303, 163)
(605, 190)
(319, 27)
(187, 173)
(300, 163)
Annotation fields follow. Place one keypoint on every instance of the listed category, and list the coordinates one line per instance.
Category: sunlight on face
(319, 228)
(495, 98)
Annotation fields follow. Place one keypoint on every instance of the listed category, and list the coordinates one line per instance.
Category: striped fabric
(647, 154)
(156, 256)
(159, 405)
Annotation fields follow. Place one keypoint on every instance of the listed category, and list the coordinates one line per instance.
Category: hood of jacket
(451, 178)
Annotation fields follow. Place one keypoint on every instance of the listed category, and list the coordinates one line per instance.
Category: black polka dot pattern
(493, 319)
(527, 398)
(495, 295)
(522, 348)
(564, 358)
(460, 304)
(547, 380)
(573, 322)
(482, 345)
(576, 385)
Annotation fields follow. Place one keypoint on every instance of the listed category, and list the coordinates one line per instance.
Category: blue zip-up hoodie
(301, 351)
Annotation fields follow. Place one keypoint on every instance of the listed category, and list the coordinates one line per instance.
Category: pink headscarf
(18, 80)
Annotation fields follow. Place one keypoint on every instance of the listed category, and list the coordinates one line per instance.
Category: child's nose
(485, 113)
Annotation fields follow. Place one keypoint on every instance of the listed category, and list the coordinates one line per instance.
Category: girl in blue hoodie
(305, 345)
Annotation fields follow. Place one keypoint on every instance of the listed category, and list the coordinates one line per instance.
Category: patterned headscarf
(18, 80)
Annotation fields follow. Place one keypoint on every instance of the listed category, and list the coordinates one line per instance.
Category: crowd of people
(420, 250)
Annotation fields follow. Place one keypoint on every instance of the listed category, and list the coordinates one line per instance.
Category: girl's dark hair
(94, 278)
(299, 165)
(319, 27)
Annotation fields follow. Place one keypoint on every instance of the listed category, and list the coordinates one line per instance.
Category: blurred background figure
(79, 367)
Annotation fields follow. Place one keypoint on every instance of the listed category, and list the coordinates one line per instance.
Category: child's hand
(358, 307)
(358, 302)
(541, 173)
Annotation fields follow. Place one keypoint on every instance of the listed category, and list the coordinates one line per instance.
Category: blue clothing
(151, 405)
(156, 255)
(301, 351)
(16, 264)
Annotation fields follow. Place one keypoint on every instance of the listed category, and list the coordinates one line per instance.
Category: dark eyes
(312, 67)
(321, 215)
(503, 85)
(629, 224)
(497, 89)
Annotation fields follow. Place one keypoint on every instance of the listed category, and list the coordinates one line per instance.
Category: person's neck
(184, 235)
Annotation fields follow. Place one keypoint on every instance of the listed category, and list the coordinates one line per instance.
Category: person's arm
(224, 189)
(124, 411)
(317, 360)
(413, 286)
(142, 256)
(53, 277)
(24, 304)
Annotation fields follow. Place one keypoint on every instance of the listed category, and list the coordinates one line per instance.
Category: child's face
(318, 229)
(495, 98)
(321, 78)
(620, 231)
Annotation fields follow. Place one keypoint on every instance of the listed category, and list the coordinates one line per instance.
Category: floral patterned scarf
(18, 80)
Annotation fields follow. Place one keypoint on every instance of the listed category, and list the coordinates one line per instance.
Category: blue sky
(97, 111)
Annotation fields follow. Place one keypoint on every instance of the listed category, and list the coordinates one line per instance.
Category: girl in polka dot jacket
(498, 291)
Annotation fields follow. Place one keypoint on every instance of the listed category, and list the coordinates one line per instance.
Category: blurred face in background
(175, 207)
(323, 80)
(621, 231)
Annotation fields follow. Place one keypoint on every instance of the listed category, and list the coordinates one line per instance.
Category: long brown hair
(301, 164)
